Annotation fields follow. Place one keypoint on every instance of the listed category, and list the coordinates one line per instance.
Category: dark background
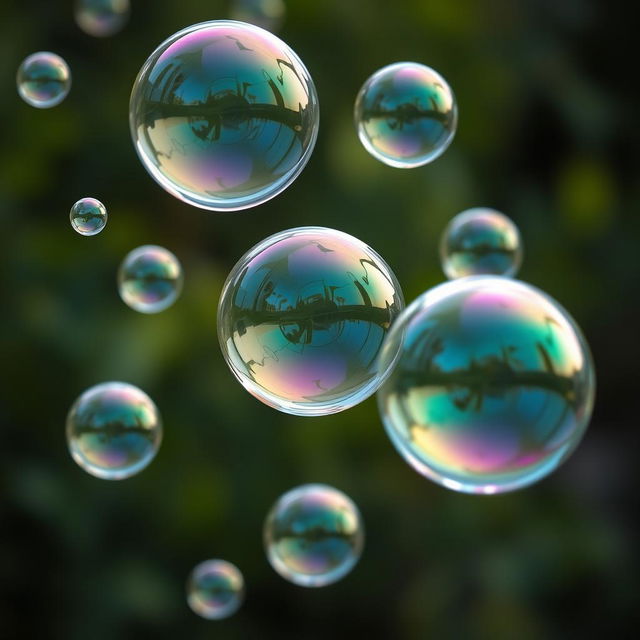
(548, 134)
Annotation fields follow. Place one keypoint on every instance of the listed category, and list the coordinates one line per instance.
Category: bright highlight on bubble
(102, 18)
(302, 318)
(480, 242)
(493, 387)
(43, 80)
(314, 535)
(88, 216)
(268, 14)
(150, 279)
(224, 115)
(114, 430)
(215, 589)
(406, 115)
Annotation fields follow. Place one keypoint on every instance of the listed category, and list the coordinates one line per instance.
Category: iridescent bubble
(43, 80)
(150, 279)
(302, 318)
(215, 589)
(102, 18)
(493, 387)
(268, 14)
(224, 115)
(314, 535)
(114, 430)
(480, 242)
(406, 115)
(88, 216)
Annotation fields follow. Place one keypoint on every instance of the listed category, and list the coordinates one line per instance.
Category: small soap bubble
(302, 318)
(268, 14)
(150, 279)
(43, 80)
(314, 535)
(493, 387)
(114, 430)
(406, 115)
(224, 115)
(215, 589)
(88, 216)
(480, 242)
(102, 18)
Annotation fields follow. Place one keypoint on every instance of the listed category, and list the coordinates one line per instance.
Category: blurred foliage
(548, 134)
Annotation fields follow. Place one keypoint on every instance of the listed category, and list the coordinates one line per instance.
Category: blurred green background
(547, 133)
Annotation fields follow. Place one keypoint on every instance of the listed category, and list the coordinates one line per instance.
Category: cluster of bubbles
(485, 384)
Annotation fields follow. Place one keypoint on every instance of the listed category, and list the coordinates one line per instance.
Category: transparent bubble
(215, 589)
(88, 216)
(102, 18)
(302, 318)
(493, 387)
(150, 279)
(406, 115)
(268, 14)
(114, 430)
(314, 535)
(224, 115)
(43, 79)
(480, 242)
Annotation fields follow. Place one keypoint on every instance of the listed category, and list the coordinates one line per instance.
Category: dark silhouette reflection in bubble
(493, 387)
(224, 115)
(302, 318)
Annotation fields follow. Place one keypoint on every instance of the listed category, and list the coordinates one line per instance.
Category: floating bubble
(102, 18)
(302, 318)
(314, 535)
(88, 216)
(480, 242)
(268, 14)
(406, 115)
(43, 80)
(114, 430)
(215, 589)
(224, 115)
(493, 387)
(150, 279)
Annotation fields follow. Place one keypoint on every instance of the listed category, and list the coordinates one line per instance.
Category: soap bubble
(150, 279)
(493, 387)
(406, 115)
(43, 79)
(480, 242)
(302, 318)
(215, 589)
(114, 430)
(102, 18)
(88, 216)
(224, 115)
(268, 14)
(314, 535)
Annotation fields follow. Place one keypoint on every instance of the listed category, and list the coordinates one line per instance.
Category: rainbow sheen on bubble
(43, 80)
(224, 115)
(150, 279)
(102, 18)
(493, 387)
(113, 430)
(314, 535)
(88, 216)
(215, 589)
(302, 318)
(478, 242)
(268, 14)
(406, 115)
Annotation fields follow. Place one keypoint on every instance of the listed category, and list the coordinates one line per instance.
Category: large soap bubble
(493, 386)
(224, 115)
